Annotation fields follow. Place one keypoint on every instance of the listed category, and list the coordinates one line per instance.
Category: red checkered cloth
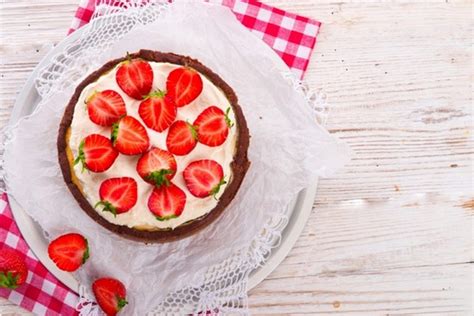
(293, 38)
(42, 293)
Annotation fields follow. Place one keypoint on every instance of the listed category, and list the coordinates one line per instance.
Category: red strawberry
(135, 78)
(13, 271)
(69, 251)
(213, 126)
(184, 85)
(167, 202)
(157, 111)
(118, 195)
(181, 138)
(157, 166)
(105, 107)
(204, 178)
(130, 137)
(96, 153)
(110, 295)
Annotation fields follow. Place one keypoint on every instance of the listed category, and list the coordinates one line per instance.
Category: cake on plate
(153, 146)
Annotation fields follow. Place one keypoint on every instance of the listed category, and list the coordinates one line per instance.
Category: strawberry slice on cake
(167, 202)
(96, 153)
(158, 111)
(105, 107)
(213, 126)
(135, 77)
(157, 166)
(182, 138)
(184, 85)
(118, 195)
(129, 136)
(204, 178)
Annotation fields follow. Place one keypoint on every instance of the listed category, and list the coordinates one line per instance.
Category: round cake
(153, 146)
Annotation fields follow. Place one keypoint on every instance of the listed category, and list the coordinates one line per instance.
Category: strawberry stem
(108, 207)
(121, 302)
(193, 130)
(165, 218)
(160, 177)
(114, 134)
(81, 158)
(227, 119)
(216, 189)
(86, 101)
(8, 280)
(157, 93)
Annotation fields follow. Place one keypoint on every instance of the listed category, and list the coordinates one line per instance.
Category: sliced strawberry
(157, 166)
(167, 202)
(13, 270)
(184, 85)
(96, 153)
(181, 138)
(105, 107)
(118, 195)
(129, 136)
(110, 295)
(69, 251)
(204, 178)
(213, 126)
(157, 111)
(135, 78)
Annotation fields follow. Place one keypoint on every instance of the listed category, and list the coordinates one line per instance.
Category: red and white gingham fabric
(293, 38)
(42, 293)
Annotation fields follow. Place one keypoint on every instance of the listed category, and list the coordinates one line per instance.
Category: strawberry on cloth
(13, 270)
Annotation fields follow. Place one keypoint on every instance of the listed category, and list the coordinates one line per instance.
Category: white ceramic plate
(26, 102)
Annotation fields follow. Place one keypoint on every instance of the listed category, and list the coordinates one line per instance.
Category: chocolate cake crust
(239, 165)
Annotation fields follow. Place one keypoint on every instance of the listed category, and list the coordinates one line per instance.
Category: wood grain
(391, 234)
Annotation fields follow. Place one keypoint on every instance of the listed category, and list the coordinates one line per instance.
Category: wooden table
(392, 232)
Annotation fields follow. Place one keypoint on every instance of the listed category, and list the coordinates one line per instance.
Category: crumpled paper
(288, 150)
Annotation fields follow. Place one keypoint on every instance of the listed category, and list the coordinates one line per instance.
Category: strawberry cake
(153, 146)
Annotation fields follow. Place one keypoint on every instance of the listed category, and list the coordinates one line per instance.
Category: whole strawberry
(110, 295)
(13, 271)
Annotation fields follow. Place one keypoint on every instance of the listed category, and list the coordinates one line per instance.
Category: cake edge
(239, 165)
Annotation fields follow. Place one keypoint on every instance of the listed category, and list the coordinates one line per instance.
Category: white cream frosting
(125, 166)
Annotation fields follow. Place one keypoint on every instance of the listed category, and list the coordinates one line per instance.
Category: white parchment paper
(288, 150)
